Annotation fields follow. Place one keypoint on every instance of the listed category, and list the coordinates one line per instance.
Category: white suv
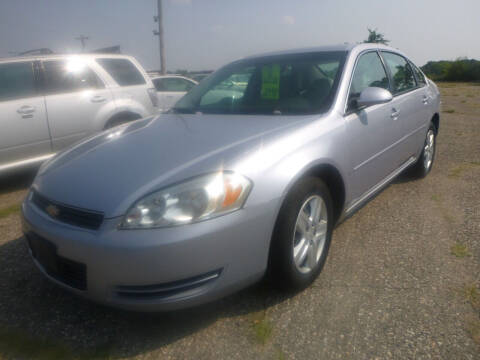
(49, 102)
(171, 88)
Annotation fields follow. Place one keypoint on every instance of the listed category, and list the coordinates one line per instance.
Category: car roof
(173, 76)
(56, 56)
(339, 47)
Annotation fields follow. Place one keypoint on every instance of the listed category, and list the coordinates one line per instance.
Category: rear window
(418, 74)
(64, 76)
(16, 81)
(402, 74)
(173, 84)
(122, 71)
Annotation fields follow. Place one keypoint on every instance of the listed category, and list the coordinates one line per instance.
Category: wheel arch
(126, 114)
(331, 175)
(334, 181)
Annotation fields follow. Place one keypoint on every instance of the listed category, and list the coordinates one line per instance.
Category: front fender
(277, 164)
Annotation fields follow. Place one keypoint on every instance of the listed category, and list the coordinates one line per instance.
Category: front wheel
(302, 235)
(425, 161)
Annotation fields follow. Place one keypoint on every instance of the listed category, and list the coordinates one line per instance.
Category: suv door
(132, 90)
(407, 103)
(24, 131)
(74, 97)
(372, 130)
(170, 90)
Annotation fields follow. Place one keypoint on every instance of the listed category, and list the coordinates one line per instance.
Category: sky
(205, 34)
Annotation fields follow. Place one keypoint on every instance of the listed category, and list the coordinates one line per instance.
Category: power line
(82, 39)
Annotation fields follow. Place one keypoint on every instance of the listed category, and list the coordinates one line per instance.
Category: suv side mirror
(373, 96)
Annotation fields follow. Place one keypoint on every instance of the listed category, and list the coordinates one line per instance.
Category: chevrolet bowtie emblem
(52, 210)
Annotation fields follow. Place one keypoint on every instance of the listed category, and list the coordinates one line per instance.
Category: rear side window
(419, 75)
(369, 71)
(16, 81)
(64, 76)
(172, 84)
(122, 71)
(402, 74)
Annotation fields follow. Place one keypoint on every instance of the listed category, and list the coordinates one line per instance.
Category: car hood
(110, 171)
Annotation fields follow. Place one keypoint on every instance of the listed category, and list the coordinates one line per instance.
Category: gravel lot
(402, 281)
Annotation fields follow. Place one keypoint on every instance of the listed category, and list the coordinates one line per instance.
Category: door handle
(395, 114)
(26, 111)
(425, 100)
(97, 99)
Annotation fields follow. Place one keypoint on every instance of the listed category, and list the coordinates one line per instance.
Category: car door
(24, 131)
(74, 96)
(372, 130)
(423, 99)
(171, 89)
(407, 104)
(160, 88)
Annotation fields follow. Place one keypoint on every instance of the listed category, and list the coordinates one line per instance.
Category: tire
(120, 119)
(295, 235)
(424, 164)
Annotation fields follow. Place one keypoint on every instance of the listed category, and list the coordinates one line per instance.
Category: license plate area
(69, 272)
(44, 251)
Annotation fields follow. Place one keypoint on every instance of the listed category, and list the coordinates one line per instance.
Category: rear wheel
(302, 235)
(425, 161)
(121, 119)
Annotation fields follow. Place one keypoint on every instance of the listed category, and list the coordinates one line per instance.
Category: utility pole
(82, 39)
(159, 32)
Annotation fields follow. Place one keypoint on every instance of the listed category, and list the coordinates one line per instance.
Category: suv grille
(74, 216)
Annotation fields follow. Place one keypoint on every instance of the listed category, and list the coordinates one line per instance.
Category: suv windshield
(291, 84)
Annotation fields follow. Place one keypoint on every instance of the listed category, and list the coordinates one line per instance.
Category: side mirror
(373, 96)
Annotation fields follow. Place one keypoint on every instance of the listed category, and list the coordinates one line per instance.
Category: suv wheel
(302, 235)
(120, 119)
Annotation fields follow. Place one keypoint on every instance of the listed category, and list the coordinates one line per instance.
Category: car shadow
(17, 180)
(405, 177)
(32, 306)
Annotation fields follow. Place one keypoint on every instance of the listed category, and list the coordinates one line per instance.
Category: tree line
(458, 70)
(462, 69)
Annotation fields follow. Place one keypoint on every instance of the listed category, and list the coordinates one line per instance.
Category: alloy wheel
(310, 234)
(429, 149)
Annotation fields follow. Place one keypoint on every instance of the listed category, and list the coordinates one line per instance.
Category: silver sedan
(247, 175)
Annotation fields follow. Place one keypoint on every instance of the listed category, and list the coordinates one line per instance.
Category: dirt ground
(402, 281)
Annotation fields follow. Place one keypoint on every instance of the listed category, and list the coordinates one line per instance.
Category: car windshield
(291, 84)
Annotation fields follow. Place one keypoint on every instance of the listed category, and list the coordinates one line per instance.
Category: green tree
(462, 69)
(376, 37)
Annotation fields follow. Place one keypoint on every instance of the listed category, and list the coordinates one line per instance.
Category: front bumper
(157, 269)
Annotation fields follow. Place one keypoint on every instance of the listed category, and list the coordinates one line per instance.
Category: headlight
(194, 200)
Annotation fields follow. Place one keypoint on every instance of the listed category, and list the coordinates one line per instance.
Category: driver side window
(230, 90)
(368, 72)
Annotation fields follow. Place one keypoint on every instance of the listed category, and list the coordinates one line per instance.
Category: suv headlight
(194, 200)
